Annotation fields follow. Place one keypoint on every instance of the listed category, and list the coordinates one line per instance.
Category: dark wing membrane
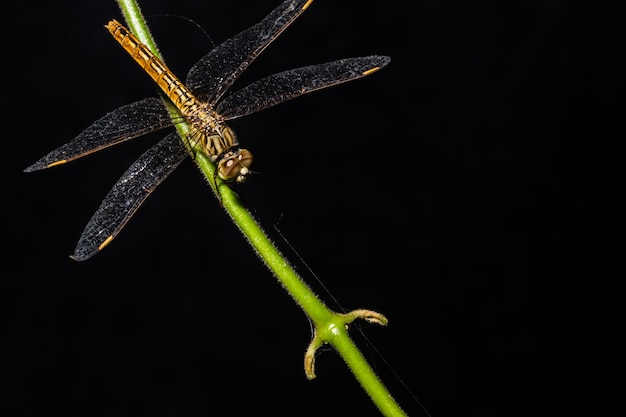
(121, 124)
(276, 88)
(143, 176)
(211, 76)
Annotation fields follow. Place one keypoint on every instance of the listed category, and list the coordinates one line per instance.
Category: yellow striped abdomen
(182, 98)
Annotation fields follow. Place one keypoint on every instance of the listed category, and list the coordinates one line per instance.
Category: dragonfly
(204, 105)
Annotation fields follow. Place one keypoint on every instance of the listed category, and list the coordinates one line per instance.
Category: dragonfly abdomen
(180, 95)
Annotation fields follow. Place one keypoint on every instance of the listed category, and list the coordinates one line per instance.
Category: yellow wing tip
(307, 4)
(371, 70)
(61, 162)
(106, 242)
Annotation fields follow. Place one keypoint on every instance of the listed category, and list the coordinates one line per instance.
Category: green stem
(330, 327)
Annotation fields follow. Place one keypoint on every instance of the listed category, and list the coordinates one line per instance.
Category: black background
(468, 191)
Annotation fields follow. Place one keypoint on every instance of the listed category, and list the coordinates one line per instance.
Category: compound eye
(245, 161)
(235, 166)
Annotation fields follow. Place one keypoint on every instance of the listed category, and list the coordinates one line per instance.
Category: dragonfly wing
(121, 124)
(210, 77)
(286, 85)
(143, 176)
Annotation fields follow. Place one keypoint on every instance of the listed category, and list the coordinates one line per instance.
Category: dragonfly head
(234, 164)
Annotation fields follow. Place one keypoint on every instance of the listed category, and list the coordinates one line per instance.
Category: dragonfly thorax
(212, 134)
